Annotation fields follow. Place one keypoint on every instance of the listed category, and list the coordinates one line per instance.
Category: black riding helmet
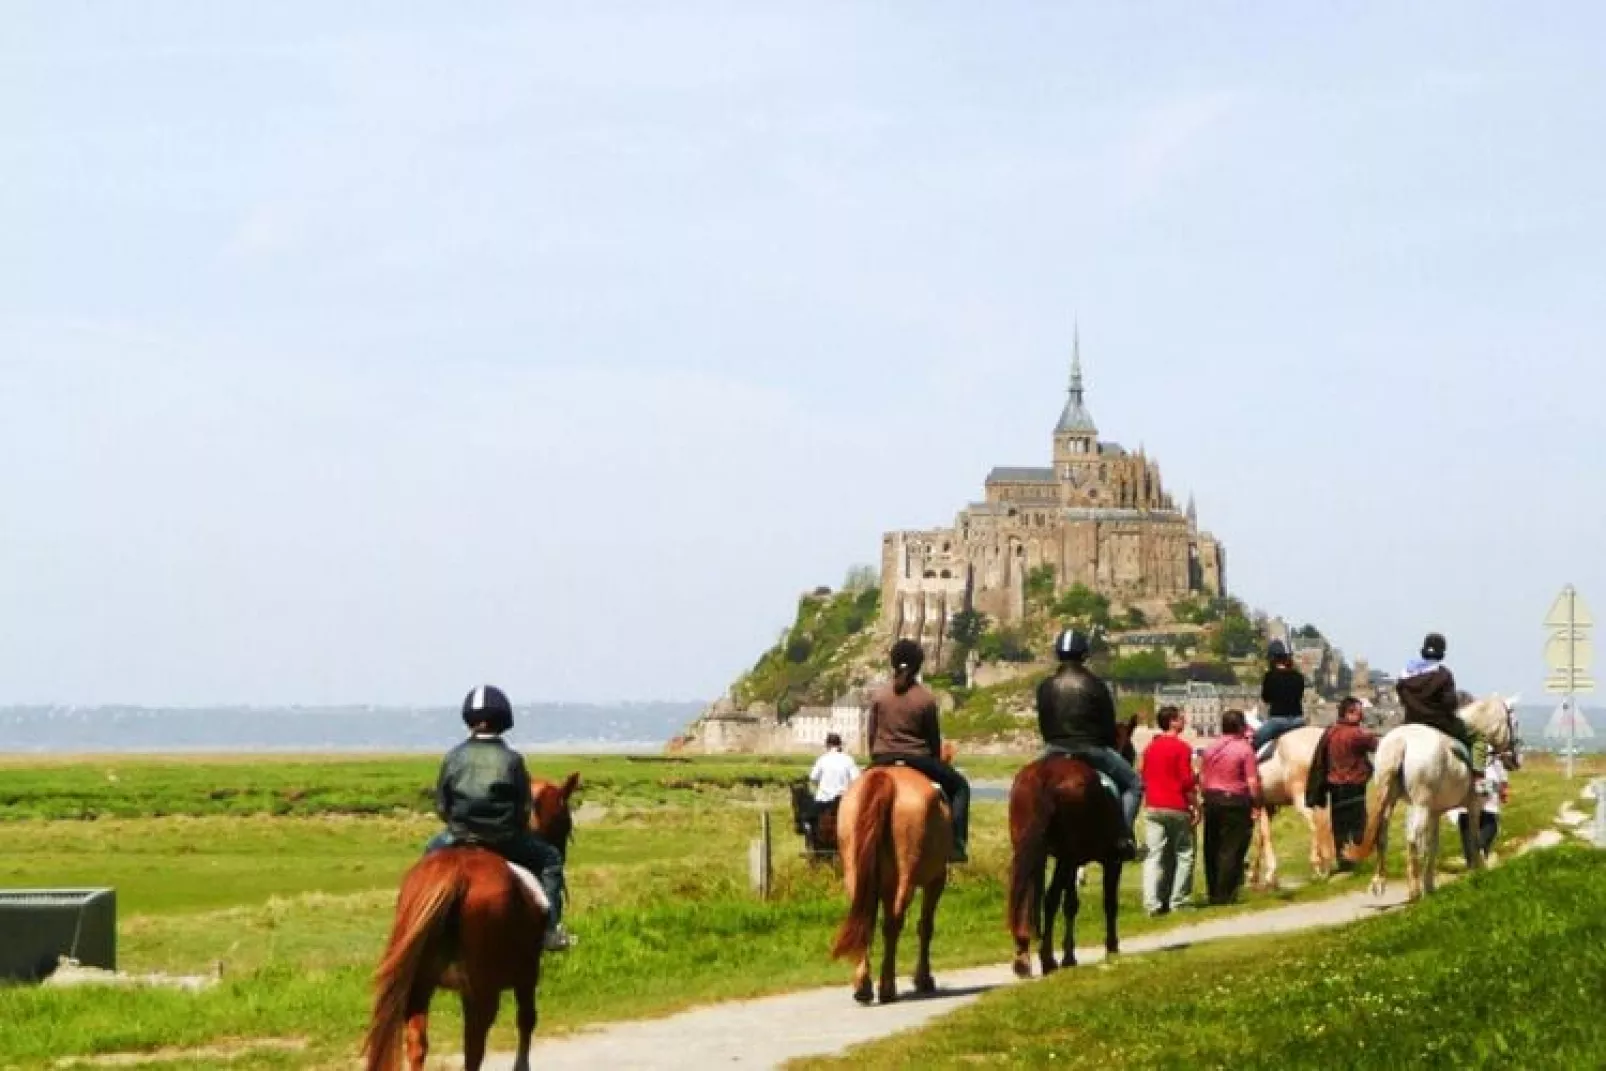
(1072, 645)
(1277, 652)
(488, 705)
(1433, 646)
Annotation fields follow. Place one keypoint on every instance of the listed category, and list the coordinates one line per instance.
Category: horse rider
(1428, 693)
(483, 796)
(903, 730)
(1282, 689)
(833, 772)
(1076, 715)
(1349, 768)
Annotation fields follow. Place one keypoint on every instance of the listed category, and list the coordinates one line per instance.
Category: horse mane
(1489, 716)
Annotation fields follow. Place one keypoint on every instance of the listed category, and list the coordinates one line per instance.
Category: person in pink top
(1231, 783)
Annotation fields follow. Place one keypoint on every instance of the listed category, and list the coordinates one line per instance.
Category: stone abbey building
(1099, 515)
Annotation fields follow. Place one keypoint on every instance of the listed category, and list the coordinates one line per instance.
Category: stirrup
(558, 939)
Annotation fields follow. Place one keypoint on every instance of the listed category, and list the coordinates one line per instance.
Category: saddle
(1104, 779)
(532, 886)
(941, 793)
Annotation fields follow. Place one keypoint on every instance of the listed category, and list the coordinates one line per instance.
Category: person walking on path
(1348, 749)
(903, 729)
(1495, 788)
(1076, 715)
(1170, 811)
(1282, 689)
(1231, 783)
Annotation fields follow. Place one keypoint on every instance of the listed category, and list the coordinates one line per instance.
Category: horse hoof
(1112, 950)
(889, 996)
(1048, 967)
(925, 986)
(1023, 968)
(1378, 887)
(863, 996)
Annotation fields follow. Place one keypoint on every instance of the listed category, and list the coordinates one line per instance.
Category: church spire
(1075, 417)
(1193, 512)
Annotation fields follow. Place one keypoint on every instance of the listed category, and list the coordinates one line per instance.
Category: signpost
(1568, 656)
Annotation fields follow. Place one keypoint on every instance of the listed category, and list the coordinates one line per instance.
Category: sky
(361, 353)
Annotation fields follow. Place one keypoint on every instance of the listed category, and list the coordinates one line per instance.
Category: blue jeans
(528, 851)
(1272, 728)
(1110, 763)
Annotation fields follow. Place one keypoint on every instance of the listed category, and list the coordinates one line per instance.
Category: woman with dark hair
(1231, 783)
(1282, 689)
(903, 729)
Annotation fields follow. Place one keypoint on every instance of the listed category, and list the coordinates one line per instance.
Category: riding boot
(1127, 847)
(961, 811)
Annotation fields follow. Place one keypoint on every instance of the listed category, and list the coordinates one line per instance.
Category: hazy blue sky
(361, 352)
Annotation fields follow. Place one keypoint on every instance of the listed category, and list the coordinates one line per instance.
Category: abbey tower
(1099, 515)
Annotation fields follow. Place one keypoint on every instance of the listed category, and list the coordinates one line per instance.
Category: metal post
(1572, 657)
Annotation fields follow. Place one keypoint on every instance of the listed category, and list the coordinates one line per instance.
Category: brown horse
(465, 922)
(896, 834)
(1057, 807)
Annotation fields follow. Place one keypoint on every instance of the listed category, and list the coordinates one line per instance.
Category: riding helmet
(1072, 645)
(1277, 651)
(488, 705)
(1433, 647)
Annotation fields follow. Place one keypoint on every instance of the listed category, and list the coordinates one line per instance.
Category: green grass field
(288, 880)
(1505, 969)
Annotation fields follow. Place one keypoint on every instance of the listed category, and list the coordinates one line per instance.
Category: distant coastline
(281, 730)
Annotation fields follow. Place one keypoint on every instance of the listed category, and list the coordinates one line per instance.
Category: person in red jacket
(1171, 810)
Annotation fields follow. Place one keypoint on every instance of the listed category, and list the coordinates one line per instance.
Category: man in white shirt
(1494, 787)
(832, 774)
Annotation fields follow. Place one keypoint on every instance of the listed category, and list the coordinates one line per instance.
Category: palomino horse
(1417, 763)
(1282, 784)
(1059, 808)
(896, 834)
(465, 922)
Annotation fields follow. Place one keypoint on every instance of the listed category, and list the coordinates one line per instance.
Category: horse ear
(1132, 724)
(571, 785)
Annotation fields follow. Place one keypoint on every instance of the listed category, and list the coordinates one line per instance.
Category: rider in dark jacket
(1282, 689)
(1428, 693)
(483, 796)
(1076, 715)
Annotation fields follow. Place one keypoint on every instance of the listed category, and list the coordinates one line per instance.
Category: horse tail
(1387, 776)
(872, 826)
(1030, 856)
(421, 917)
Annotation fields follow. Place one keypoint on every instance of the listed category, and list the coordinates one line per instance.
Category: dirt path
(769, 1031)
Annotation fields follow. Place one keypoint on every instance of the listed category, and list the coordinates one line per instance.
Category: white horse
(1282, 784)
(1417, 762)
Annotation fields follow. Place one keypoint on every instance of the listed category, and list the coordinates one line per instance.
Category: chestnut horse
(465, 922)
(896, 835)
(1058, 807)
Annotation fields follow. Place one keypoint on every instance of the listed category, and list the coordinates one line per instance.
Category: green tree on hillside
(1083, 605)
(1133, 619)
(1142, 669)
(1233, 637)
(1004, 645)
(1040, 585)
(966, 627)
(861, 578)
(1307, 632)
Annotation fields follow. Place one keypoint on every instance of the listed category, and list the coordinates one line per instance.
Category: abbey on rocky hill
(1099, 515)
